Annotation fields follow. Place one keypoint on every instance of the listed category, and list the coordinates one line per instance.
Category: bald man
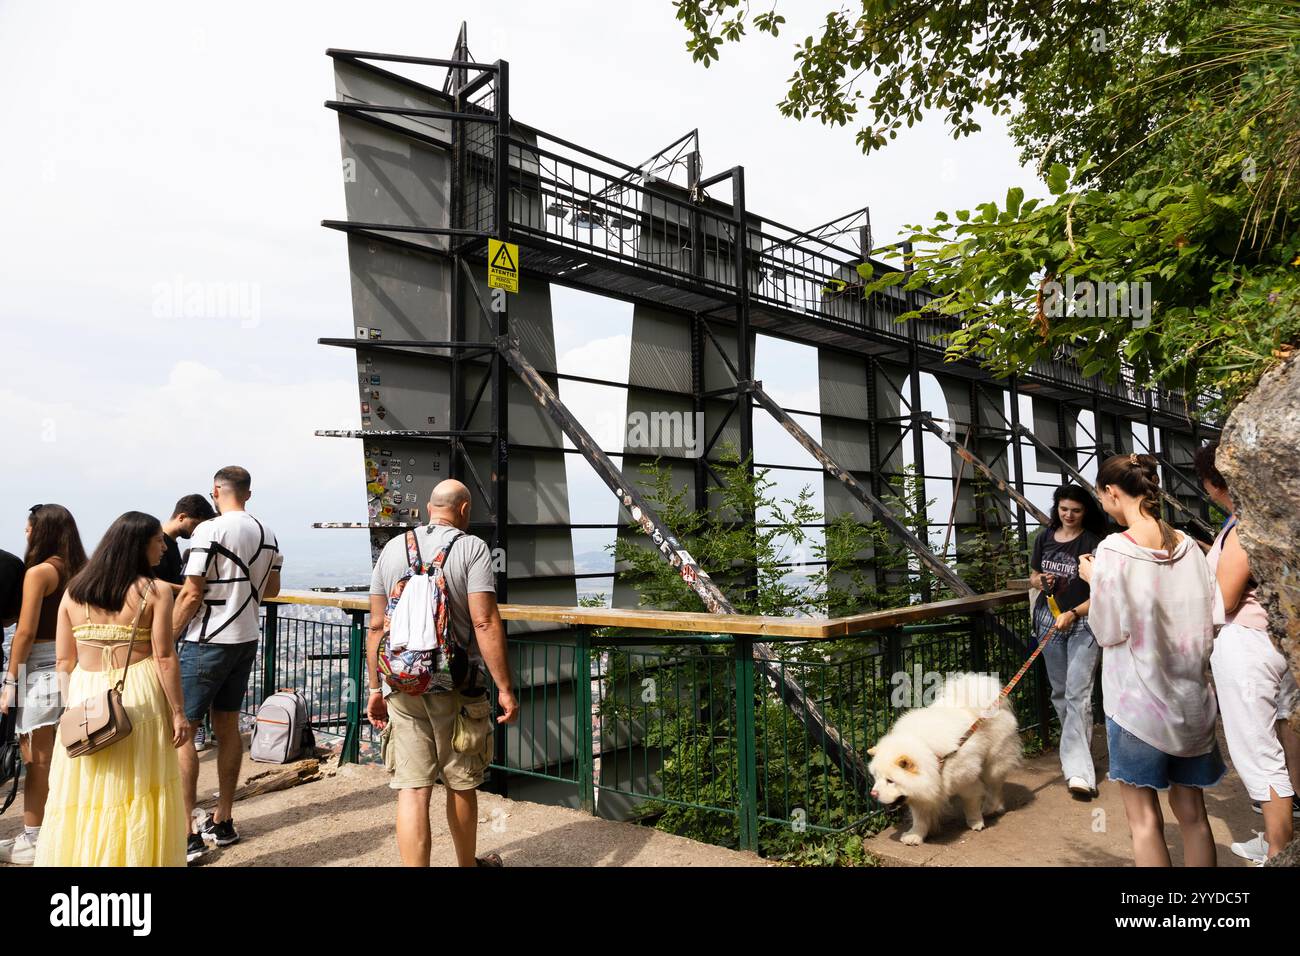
(418, 730)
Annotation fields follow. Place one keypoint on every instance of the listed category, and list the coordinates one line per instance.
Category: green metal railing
(685, 729)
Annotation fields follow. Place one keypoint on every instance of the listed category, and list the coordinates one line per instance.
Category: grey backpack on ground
(282, 731)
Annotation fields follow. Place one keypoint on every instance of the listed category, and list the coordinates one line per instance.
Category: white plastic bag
(411, 626)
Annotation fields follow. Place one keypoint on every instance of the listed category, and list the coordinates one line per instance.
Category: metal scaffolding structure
(457, 383)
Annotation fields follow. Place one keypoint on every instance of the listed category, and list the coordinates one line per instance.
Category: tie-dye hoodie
(1152, 615)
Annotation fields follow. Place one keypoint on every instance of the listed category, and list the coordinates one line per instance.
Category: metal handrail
(697, 622)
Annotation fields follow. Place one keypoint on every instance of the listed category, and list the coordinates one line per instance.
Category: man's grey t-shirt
(468, 570)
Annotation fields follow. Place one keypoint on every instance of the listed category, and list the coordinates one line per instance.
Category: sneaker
(194, 847)
(200, 738)
(1080, 787)
(1255, 850)
(221, 834)
(1295, 808)
(19, 851)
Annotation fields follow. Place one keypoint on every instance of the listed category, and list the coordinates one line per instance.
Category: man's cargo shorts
(439, 735)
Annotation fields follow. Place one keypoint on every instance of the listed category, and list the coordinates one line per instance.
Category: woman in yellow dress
(123, 805)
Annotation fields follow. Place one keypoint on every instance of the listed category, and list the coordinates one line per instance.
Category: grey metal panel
(1122, 439)
(540, 551)
(889, 381)
(1178, 451)
(538, 488)
(401, 392)
(555, 793)
(837, 499)
(1070, 415)
(715, 412)
(481, 458)
(545, 731)
(993, 410)
(530, 317)
(528, 422)
(397, 180)
(661, 350)
(714, 370)
(848, 442)
(398, 294)
(659, 424)
(1044, 423)
(956, 395)
(356, 84)
(843, 385)
(544, 664)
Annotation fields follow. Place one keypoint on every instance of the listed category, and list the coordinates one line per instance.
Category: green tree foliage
(1168, 137)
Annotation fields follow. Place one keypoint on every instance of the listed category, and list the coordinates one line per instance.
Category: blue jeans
(215, 676)
(1071, 658)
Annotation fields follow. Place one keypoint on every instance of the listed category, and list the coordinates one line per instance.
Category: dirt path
(1045, 826)
(347, 820)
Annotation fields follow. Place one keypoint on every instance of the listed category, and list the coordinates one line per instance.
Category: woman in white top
(1255, 688)
(1151, 612)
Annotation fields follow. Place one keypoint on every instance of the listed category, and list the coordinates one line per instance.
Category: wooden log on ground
(281, 777)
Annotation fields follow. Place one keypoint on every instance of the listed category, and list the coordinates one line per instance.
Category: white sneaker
(1080, 786)
(1255, 850)
(20, 851)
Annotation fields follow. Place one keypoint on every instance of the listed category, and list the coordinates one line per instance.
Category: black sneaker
(194, 848)
(221, 834)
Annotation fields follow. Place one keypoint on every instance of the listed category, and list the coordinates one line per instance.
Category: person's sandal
(492, 859)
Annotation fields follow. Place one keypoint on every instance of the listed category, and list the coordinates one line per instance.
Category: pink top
(1151, 615)
(1250, 613)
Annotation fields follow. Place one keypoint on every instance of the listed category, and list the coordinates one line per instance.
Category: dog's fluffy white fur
(905, 763)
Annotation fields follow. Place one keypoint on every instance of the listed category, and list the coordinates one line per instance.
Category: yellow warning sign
(503, 265)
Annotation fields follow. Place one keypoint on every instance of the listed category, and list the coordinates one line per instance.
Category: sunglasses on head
(34, 508)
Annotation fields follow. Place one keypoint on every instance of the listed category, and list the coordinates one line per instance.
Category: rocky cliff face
(1259, 455)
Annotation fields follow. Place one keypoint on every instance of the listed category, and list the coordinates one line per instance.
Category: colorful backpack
(417, 622)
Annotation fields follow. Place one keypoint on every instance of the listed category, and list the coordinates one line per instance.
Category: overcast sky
(153, 145)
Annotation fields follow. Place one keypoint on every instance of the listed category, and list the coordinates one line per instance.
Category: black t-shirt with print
(1062, 559)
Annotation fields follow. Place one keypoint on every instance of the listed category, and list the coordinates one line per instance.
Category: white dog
(915, 760)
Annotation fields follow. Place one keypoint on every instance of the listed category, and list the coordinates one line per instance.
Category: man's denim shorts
(215, 676)
(1136, 762)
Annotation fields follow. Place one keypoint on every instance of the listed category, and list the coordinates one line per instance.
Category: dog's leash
(1005, 692)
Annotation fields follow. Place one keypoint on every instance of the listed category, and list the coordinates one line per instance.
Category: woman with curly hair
(1076, 528)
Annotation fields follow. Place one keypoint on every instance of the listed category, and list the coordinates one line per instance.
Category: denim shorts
(40, 703)
(215, 676)
(1136, 762)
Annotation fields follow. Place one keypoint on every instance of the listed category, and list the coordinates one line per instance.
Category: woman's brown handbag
(101, 720)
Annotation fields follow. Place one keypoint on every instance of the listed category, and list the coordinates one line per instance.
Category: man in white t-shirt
(233, 566)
